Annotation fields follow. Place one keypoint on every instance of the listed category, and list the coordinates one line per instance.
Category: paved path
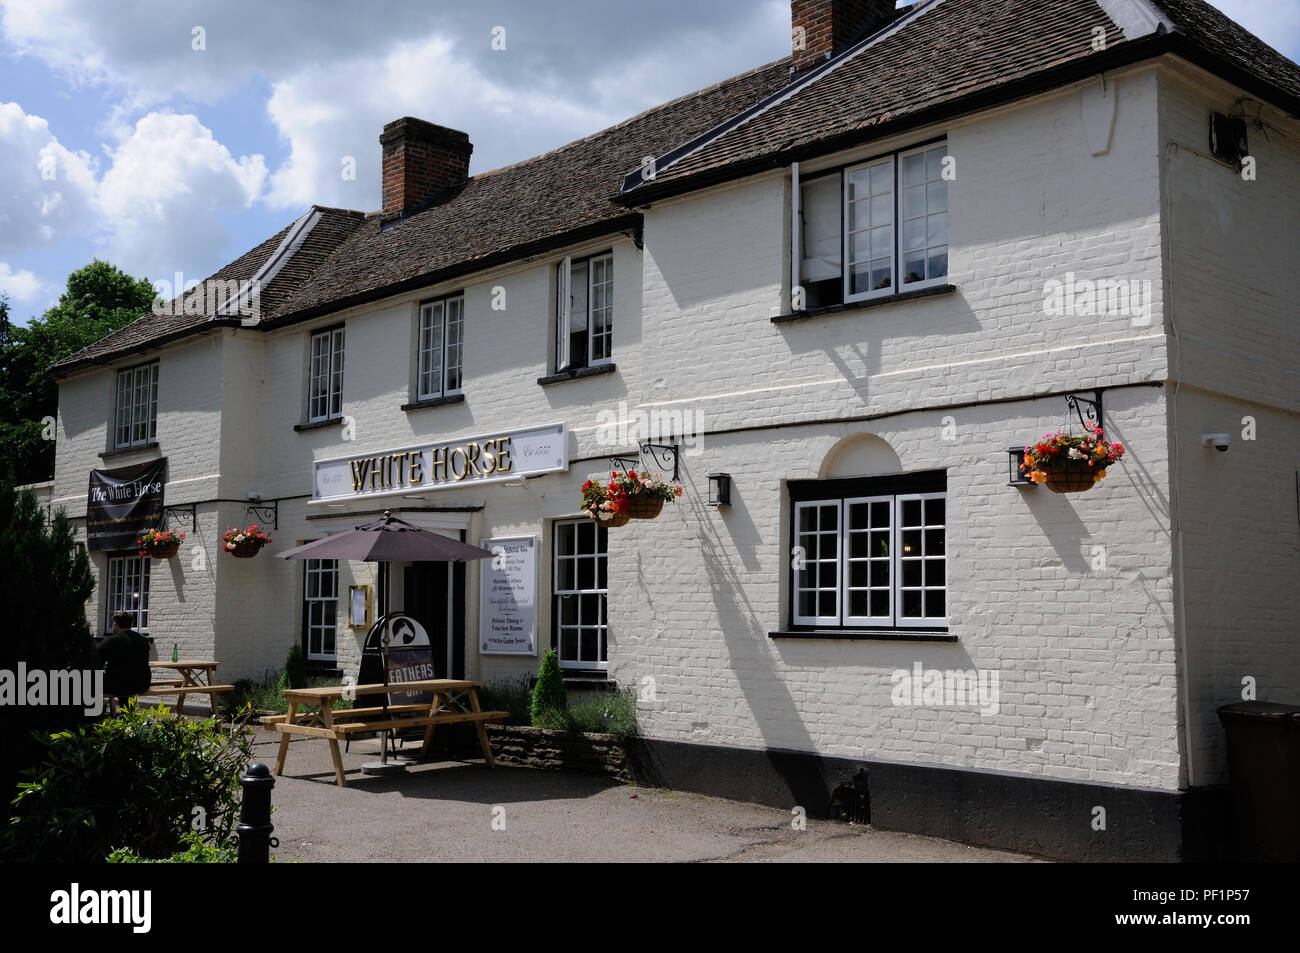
(446, 812)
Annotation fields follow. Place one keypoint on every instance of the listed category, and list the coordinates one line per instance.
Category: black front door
(435, 597)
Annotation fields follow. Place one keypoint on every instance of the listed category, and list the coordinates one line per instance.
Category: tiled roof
(954, 53)
(500, 216)
(940, 57)
(150, 330)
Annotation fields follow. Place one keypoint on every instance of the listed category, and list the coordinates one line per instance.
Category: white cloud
(160, 197)
(19, 285)
(48, 190)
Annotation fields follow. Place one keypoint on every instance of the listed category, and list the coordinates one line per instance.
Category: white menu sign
(508, 597)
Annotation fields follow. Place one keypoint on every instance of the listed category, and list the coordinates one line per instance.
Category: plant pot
(1071, 478)
(615, 520)
(645, 508)
(246, 550)
(163, 550)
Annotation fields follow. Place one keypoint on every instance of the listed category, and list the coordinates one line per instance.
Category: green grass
(610, 713)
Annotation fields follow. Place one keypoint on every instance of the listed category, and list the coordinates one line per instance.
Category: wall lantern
(1018, 477)
(719, 489)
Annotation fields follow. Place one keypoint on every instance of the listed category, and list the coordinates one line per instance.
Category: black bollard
(255, 828)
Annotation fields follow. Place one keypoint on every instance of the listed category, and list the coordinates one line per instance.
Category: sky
(170, 136)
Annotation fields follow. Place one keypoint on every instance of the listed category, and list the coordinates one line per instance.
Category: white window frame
(564, 360)
(897, 224)
(558, 594)
(319, 570)
(436, 347)
(843, 559)
(325, 375)
(122, 572)
(135, 421)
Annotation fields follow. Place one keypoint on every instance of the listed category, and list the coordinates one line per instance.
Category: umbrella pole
(384, 766)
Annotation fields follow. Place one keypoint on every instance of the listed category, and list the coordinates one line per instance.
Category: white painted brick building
(1116, 621)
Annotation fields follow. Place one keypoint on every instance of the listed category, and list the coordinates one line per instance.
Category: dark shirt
(125, 658)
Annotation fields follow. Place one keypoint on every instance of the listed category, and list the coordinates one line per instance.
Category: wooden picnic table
(197, 677)
(453, 701)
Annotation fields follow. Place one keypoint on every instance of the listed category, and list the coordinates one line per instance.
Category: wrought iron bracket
(1088, 411)
(663, 455)
(264, 513)
(186, 514)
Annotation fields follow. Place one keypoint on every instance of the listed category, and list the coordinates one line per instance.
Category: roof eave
(65, 368)
(540, 246)
(1124, 54)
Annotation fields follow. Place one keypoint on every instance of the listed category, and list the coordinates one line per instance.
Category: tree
(99, 300)
(549, 698)
(45, 580)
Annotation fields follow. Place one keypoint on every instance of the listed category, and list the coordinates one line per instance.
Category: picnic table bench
(196, 677)
(454, 701)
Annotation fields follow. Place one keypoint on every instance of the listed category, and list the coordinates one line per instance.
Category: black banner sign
(124, 503)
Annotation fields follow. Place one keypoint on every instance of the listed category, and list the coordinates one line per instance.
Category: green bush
(509, 694)
(295, 669)
(612, 713)
(45, 581)
(268, 695)
(134, 781)
(548, 693)
(195, 852)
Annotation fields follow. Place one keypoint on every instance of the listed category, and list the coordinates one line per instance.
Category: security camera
(254, 496)
(1219, 441)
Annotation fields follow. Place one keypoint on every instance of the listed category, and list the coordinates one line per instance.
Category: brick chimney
(822, 28)
(420, 160)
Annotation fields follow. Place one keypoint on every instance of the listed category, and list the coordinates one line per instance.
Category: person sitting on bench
(124, 656)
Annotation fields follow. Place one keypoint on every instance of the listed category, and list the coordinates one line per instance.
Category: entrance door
(434, 594)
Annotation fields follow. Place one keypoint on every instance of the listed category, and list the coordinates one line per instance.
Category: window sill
(434, 402)
(862, 305)
(868, 635)
(576, 373)
(120, 451)
(319, 425)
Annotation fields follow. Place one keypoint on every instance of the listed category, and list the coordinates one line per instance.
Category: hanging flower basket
(645, 507)
(626, 497)
(160, 543)
(1065, 478)
(1069, 464)
(244, 543)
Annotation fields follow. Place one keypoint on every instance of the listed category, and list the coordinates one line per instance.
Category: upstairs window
(325, 387)
(584, 312)
(136, 420)
(873, 229)
(442, 337)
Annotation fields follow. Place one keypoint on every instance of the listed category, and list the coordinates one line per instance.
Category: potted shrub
(627, 496)
(1070, 464)
(244, 543)
(160, 543)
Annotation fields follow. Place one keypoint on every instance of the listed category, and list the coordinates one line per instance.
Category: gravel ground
(460, 811)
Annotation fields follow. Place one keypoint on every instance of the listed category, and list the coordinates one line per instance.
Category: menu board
(508, 597)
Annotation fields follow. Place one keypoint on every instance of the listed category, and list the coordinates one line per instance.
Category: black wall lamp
(719, 489)
(1018, 476)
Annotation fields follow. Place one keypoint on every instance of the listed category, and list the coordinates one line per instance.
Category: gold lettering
(376, 473)
(398, 461)
(471, 459)
(417, 466)
(463, 470)
(439, 463)
(489, 458)
(503, 455)
(360, 468)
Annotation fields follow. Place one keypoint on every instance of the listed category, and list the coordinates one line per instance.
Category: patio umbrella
(384, 541)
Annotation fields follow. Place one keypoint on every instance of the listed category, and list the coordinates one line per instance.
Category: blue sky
(180, 134)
